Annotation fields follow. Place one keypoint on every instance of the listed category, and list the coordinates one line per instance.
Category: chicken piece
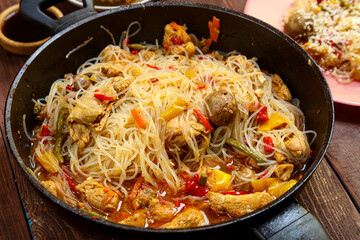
(280, 157)
(121, 84)
(108, 90)
(138, 220)
(296, 145)
(322, 54)
(170, 32)
(86, 111)
(280, 88)
(113, 53)
(100, 126)
(284, 171)
(188, 47)
(189, 218)
(163, 212)
(111, 70)
(246, 172)
(51, 186)
(80, 134)
(147, 55)
(238, 205)
(175, 129)
(99, 196)
(171, 37)
(144, 198)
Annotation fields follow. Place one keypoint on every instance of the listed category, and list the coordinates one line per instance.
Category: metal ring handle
(32, 10)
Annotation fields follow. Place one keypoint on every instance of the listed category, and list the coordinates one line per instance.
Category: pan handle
(32, 10)
(292, 222)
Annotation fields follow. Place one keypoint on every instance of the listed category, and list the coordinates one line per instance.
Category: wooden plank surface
(324, 195)
(344, 151)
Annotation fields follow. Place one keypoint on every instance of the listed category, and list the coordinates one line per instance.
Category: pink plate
(272, 12)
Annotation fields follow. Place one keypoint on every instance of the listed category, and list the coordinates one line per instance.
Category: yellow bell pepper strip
(140, 122)
(262, 184)
(278, 187)
(59, 137)
(275, 120)
(222, 180)
(190, 73)
(177, 108)
(245, 149)
(203, 119)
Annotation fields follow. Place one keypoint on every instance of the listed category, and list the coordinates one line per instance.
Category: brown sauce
(18, 29)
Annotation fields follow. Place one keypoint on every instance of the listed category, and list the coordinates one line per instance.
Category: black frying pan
(276, 52)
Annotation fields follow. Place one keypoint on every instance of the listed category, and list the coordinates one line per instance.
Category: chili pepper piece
(203, 119)
(45, 131)
(102, 97)
(194, 189)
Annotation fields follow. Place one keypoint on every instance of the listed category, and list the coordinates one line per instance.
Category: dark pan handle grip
(292, 222)
(32, 10)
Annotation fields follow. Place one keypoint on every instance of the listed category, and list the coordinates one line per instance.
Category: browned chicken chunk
(138, 220)
(111, 70)
(284, 171)
(99, 196)
(280, 88)
(296, 145)
(179, 39)
(163, 212)
(175, 129)
(238, 205)
(86, 111)
(51, 186)
(80, 134)
(189, 218)
(144, 198)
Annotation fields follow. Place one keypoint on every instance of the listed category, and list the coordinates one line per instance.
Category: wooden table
(332, 194)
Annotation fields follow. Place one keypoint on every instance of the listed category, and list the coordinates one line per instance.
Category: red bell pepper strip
(71, 184)
(194, 189)
(196, 178)
(176, 40)
(45, 131)
(204, 121)
(69, 87)
(102, 97)
(269, 147)
(166, 46)
(262, 114)
(151, 66)
(172, 68)
(134, 51)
